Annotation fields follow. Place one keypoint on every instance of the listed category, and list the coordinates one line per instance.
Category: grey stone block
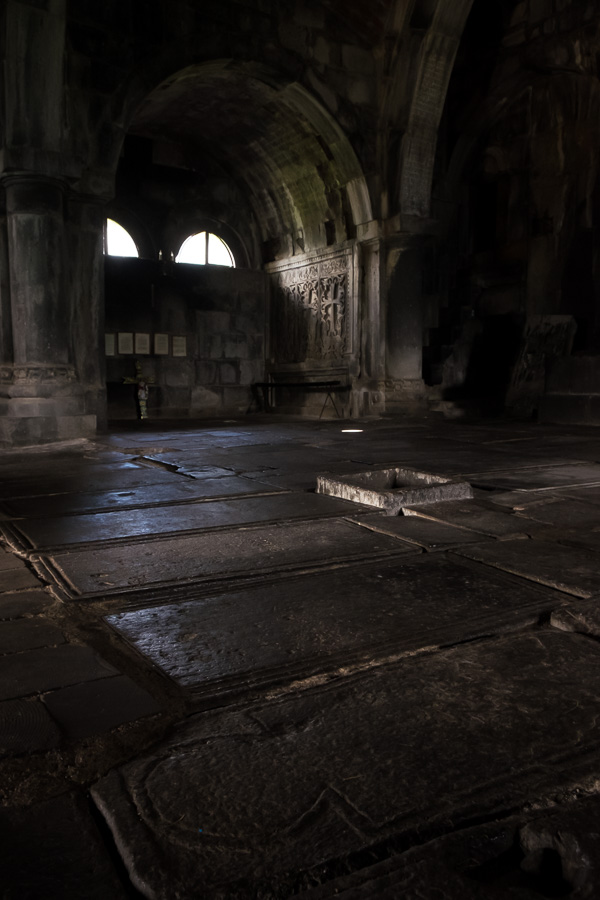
(98, 706)
(391, 489)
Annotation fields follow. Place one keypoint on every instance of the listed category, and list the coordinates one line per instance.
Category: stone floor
(215, 682)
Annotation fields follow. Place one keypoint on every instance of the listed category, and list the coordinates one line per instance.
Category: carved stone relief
(311, 311)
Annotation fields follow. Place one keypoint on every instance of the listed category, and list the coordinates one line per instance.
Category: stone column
(44, 401)
(6, 348)
(86, 216)
(404, 331)
(371, 385)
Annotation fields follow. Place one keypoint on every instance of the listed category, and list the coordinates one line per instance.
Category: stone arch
(302, 177)
(436, 60)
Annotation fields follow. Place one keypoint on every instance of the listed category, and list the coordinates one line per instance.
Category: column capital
(17, 178)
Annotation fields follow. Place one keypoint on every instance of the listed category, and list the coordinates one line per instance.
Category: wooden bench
(262, 392)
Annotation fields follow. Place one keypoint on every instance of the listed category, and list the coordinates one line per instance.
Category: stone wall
(221, 314)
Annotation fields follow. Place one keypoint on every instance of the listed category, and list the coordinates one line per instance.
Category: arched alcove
(297, 170)
(233, 150)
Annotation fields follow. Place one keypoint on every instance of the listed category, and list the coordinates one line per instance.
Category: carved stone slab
(265, 801)
(224, 554)
(569, 569)
(164, 520)
(263, 634)
(312, 310)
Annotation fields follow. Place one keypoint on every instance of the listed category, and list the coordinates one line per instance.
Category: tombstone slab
(249, 552)
(472, 515)
(574, 571)
(316, 623)
(165, 520)
(534, 478)
(563, 513)
(255, 803)
(426, 533)
(181, 491)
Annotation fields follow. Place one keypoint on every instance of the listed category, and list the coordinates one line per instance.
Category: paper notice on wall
(110, 344)
(125, 342)
(179, 345)
(161, 344)
(142, 343)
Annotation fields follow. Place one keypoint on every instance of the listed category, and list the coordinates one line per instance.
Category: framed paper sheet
(142, 344)
(161, 344)
(110, 344)
(179, 345)
(125, 342)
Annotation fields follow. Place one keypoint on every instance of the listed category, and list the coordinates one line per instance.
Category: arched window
(200, 249)
(117, 241)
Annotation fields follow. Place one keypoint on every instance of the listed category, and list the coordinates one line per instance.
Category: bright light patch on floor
(118, 241)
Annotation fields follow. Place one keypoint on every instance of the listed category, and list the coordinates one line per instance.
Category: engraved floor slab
(582, 617)
(70, 530)
(563, 513)
(248, 551)
(470, 514)
(568, 569)
(426, 533)
(114, 478)
(544, 477)
(182, 490)
(316, 622)
(256, 800)
(538, 853)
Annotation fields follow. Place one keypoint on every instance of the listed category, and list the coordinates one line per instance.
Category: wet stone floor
(216, 682)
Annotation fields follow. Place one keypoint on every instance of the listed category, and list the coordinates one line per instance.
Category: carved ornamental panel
(310, 318)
